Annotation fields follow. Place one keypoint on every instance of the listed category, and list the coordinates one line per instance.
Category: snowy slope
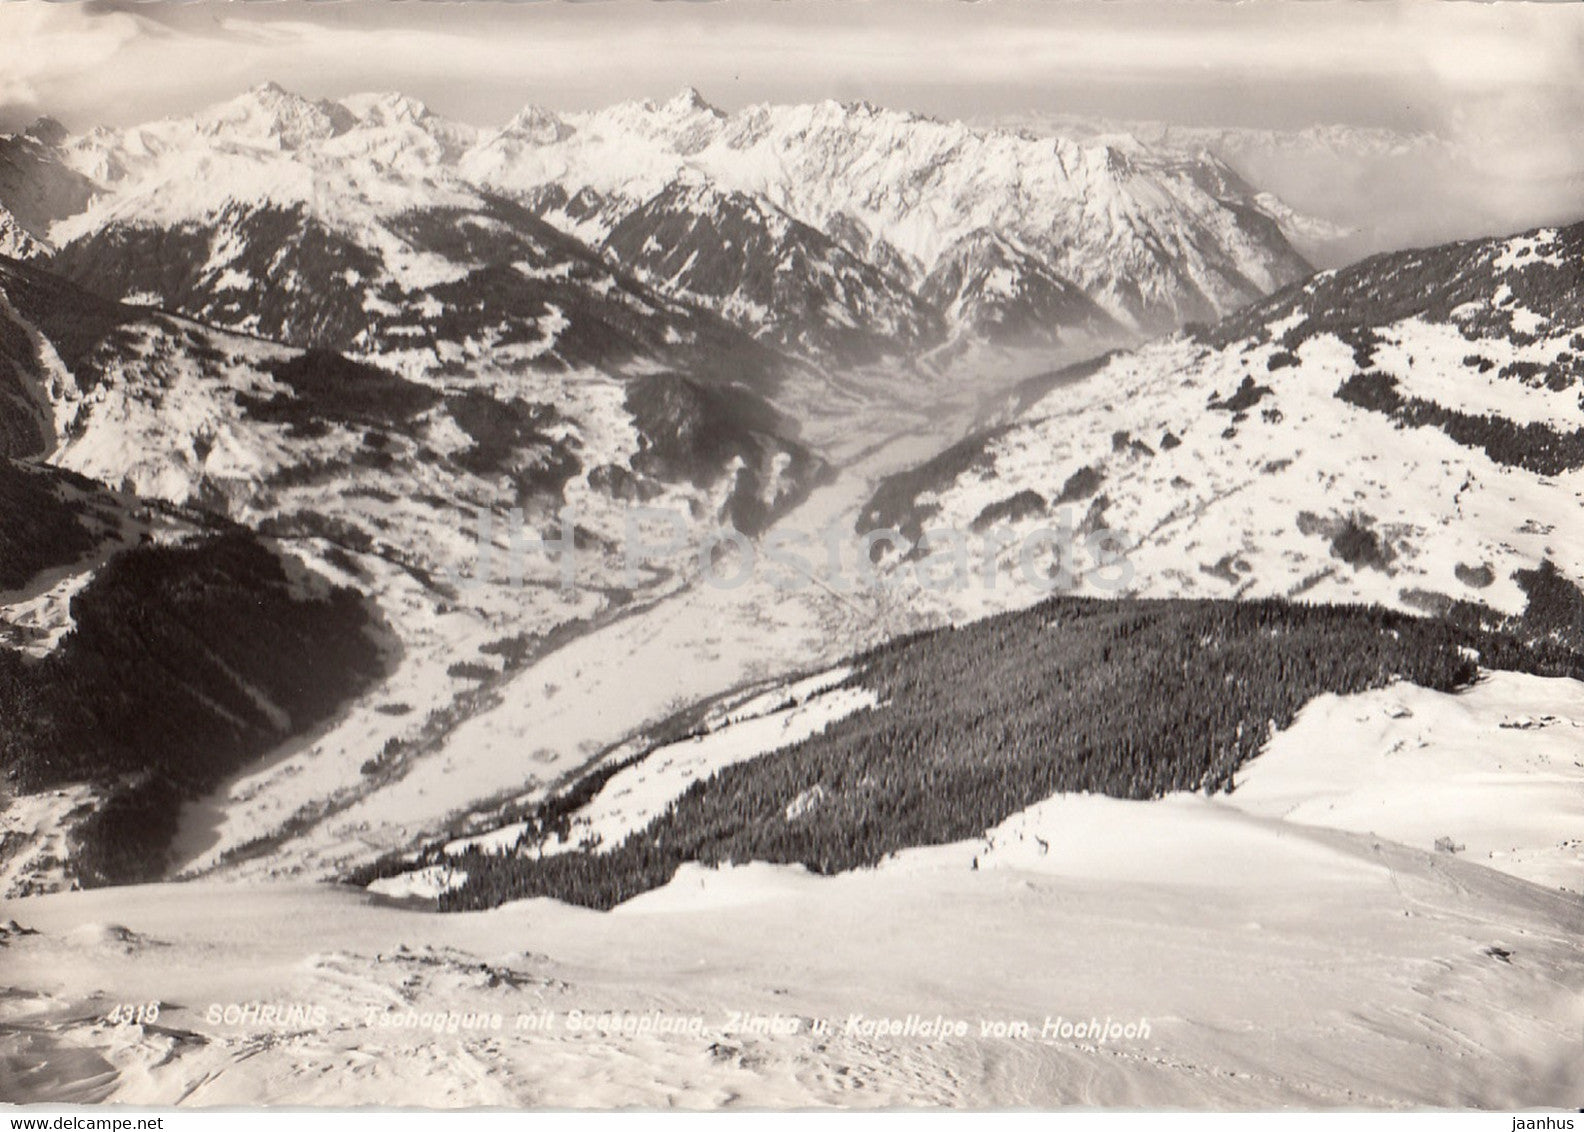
(370, 480)
(1408, 431)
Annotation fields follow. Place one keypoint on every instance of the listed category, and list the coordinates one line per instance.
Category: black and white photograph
(785, 555)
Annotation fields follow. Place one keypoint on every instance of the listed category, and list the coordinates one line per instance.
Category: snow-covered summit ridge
(1152, 235)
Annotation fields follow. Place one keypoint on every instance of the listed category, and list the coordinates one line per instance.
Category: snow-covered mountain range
(322, 427)
(841, 232)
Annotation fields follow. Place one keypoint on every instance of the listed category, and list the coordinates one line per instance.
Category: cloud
(42, 45)
(488, 58)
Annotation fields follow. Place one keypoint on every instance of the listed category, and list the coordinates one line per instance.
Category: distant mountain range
(1342, 192)
(840, 233)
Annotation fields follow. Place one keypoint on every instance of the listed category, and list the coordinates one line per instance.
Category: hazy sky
(1431, 63)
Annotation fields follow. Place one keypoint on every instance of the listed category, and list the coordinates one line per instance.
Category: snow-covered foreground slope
(1260, 961)
(1495, 773)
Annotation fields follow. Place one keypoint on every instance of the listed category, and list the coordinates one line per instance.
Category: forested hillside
(48, 518)
(1132, 699)
(184, 664)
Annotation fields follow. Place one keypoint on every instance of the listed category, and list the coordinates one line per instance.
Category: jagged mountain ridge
(1408, 431)
(1153, 238)
(1001, 292)
(761, 269)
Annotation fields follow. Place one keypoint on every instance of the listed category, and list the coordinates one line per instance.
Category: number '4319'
(133, 1013)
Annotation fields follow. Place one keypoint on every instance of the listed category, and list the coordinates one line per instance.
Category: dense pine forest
(39, 527)
(1132, 699)
(185, 663)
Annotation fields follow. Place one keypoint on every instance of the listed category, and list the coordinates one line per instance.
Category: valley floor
(633, 666)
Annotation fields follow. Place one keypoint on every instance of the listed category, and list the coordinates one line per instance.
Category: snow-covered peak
(1526, 289)
(538, 125)
(689, 101)
(269, 113)
(987, 284)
